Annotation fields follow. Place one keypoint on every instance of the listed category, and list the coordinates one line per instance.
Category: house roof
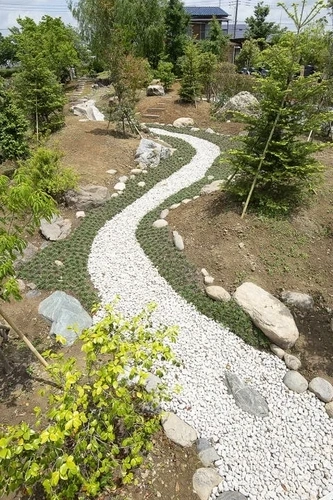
(206, 11)
(240, 31)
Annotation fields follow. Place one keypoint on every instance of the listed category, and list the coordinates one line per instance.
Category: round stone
(295, 382)
(160, 223)
(292, 362)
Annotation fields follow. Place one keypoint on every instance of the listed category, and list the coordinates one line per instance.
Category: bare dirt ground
(294, 255)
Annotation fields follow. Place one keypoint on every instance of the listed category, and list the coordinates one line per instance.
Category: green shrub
(44, 170)
(230, 83)
(99, 421)
(165, 74)
(8, 72)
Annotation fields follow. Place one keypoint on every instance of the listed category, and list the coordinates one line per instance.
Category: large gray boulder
(268, 313)
(245, 397)
(88, 110)
(66, 316)
(150, 153)
(243, 102)
(178, 431)
(56, 229)
(88, 196)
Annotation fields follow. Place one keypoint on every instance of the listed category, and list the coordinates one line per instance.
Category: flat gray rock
(322, 389)
(150, 153)
(218, 293)
(268, 313)
(208, 456)
(155, 90)
(160, 223)
(179, 431)
(296, 299)
(292, 362)
(64, 312)
(152, 382)
(88, 196)
(28, 253)
(57, 229)
(204, 480)
(295, 382)
(178, 241)
(245, 397)
(231, 495)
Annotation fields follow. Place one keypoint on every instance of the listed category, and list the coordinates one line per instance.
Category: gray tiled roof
(205, 11)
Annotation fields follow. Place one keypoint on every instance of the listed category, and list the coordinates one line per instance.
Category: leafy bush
(13, 127)
(190, 87)
(165, 74)
(230, 83)
(44, 170)
(99, 420)
(8, 72)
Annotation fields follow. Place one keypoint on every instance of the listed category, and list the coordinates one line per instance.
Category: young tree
(190, 83)
(217, 41)
(7, 50)
(176, 35)
(249, 55)
(13, 127)
(276, 166)
(36, 87)
(258, 27)
(208, 64)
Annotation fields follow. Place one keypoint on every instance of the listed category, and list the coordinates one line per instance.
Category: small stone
(208, 456)
(194, 129)
(186, 201)
(241, 244)
(175, 205)
(21, 285)
(164, 213)
(58, 263)
(195, 197)
(295, 382)
(210, 177)
(141, 184)
(277, 351)
(204, 480)
(292, 362)
(132, 176)
(209, 131)
(123, 178)
(208, 280)
(204, 272)
(296, 299)
(218, 293)
(120, 186)
(329, 409)
(160, 223)
(33, 293)
(178, 431)
(136, 171)
(183, 122)
(203, 444)
(111, 171)
(32, 286)
(145, 172)
(80, 214)
(322, 389)
(212, 187)
(178, 240)
(114, 195)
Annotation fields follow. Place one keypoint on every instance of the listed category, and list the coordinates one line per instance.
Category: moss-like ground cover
(180, 273)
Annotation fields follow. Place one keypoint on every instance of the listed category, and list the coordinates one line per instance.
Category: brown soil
(277, 255)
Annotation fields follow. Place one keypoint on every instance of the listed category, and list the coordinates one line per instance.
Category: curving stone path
(285, 455)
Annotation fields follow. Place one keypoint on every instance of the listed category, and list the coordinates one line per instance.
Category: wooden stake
(24, 338)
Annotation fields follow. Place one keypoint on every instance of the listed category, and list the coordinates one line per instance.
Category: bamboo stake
(24, 338)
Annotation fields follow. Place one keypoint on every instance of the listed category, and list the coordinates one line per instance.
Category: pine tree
(190, 83)
(216, 42)
(258, 27)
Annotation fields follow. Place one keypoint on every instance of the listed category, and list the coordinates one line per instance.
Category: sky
(10, 10)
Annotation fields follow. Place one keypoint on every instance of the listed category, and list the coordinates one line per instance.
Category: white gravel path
(287, 455)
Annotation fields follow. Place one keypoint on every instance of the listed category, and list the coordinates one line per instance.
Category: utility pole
(236, 16)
